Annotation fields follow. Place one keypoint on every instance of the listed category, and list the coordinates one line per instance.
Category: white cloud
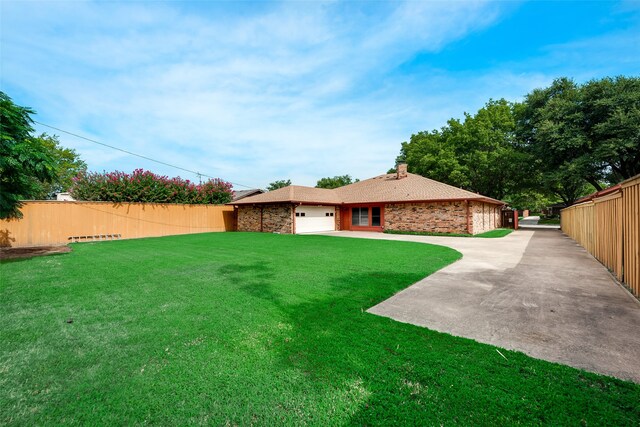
(290, 90)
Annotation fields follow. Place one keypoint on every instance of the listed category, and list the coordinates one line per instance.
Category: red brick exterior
(436, 217)
(276, 218)
(486, 217)
(249, 218)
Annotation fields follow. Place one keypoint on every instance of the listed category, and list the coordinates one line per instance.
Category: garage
(310, 219)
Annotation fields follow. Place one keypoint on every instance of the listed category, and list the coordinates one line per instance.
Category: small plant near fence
(147, 187)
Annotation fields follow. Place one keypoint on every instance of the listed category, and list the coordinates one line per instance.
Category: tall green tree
(588, 133)
(278, 184)
(433, 155)
(486, 144)
(551, 128)
(22, 161)
(67, 165)
(611, 109)
(336, 181)
(479, 153)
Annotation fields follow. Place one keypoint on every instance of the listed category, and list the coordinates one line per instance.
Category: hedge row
(147, 187)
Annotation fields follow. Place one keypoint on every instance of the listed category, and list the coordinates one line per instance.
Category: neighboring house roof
(294, 194)
(385, 188)
(241, 194)
(597, 194)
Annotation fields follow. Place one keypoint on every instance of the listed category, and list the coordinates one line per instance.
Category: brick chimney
(401, 170)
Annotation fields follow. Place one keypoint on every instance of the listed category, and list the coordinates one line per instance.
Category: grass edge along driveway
(244, 328)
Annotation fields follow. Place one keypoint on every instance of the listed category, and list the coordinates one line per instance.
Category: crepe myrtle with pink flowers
(147, 187)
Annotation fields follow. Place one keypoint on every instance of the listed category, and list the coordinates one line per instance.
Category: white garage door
(310, 219)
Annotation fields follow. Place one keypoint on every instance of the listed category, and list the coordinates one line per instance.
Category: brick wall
(275, 218)
(486, 217)
(441, 217)
(248, 218)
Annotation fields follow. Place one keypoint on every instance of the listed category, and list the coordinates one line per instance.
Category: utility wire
(134, 154)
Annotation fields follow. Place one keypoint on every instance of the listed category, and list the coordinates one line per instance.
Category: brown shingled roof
(387, 188)
(380, 189)
(293, 194)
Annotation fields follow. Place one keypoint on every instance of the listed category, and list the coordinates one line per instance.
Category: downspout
(469, 231)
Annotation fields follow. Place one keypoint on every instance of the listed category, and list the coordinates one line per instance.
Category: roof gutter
(464, 199)
(299, 202)
(294, 202)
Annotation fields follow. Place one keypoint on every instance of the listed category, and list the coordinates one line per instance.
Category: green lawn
(498, 232)
(549, 221)
(243, 328)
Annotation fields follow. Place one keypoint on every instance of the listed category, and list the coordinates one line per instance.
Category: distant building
(64, 197)
(247, 193)
(554, 210)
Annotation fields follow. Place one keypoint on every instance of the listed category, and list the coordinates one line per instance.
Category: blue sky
(252, 92)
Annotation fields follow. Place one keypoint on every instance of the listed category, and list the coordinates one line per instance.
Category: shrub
(147, 187)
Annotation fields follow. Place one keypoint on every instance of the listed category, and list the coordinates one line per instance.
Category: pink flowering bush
(147, 187)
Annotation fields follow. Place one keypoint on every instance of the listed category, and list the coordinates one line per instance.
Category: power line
(198, 174)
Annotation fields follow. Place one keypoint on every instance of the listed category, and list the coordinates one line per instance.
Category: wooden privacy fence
(57, 222)
(608, 226)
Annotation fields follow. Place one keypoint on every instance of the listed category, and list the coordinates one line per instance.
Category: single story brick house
(400, 201)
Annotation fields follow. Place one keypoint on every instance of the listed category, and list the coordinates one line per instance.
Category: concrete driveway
(534, 291)
(532, 222)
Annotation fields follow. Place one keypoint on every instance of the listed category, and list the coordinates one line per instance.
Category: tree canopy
(336, 181)
(278, 184)
(561, 142)
(479, 154)
(583, 137)
(23, 161)
(611, 109)
(67, 165)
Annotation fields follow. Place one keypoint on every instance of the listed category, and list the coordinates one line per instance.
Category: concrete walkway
(529, 220)
(532, 222)
(533, 291)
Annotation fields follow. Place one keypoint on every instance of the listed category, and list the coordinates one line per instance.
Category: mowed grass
(549, 221)
(498, 232)
(261, 329)
(492, 234)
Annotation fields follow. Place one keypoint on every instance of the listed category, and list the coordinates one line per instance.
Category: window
(366, 216)
(300, 213)
(328, 214)
(375, 216)
(360, 217)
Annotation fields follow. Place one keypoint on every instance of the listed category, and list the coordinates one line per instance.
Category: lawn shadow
(387, 371)
(252, 278)
(338, 347)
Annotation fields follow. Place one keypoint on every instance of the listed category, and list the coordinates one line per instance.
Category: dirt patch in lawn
(15, 253)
